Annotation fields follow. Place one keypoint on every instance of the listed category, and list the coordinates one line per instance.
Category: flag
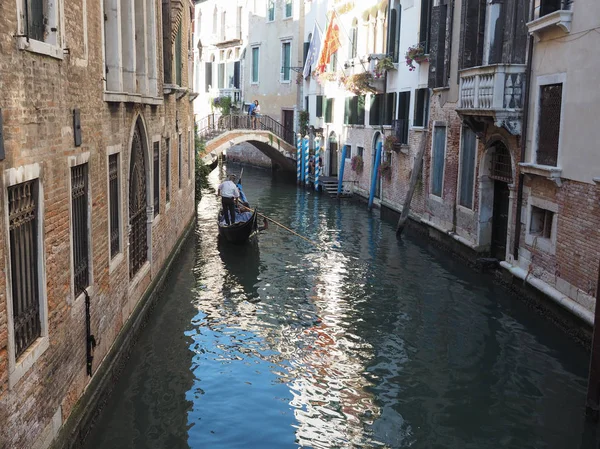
(331, 44)
(313, 51)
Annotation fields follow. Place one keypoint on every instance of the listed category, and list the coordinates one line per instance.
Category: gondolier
(229, 194)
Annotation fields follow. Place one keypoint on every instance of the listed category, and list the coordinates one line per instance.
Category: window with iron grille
(501, 169)
(115, 205)
(138, 244)
(23, 226)
(168, 169)
(549, 124)
(179, 160)
(80, 227)
(156, 178)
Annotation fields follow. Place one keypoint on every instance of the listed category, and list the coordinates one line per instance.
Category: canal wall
(74, 431)
(246, 153)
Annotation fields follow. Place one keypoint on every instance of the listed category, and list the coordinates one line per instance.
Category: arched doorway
(333, 155)
(376, 139)
(495, 197)
(138, 237)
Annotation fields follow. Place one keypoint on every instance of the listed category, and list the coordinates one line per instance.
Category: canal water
(357, 341)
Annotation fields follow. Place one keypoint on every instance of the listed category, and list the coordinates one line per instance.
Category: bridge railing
(211, 125)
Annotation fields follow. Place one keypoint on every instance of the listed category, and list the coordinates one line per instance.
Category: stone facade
(41, 84)
(246, 153)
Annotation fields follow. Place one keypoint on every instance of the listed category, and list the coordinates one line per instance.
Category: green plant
(385, 170)
(384, 64)
(357, 164)
(303, 118)
(358, 84)
(416, 53)
(201, 169)
(223, 103)
(389, 142)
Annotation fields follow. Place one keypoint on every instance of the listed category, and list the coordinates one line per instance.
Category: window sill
(115, 262)
(26, 361)
(42, 48)
(546, 171)
(437, 199)
(561, 19)
(124, 97)
(418, 129)
(285, 82)
(156, 220)
(541, 243)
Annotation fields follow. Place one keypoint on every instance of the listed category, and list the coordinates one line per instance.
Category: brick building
(96, 152)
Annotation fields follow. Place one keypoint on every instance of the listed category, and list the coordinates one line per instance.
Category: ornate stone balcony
(494, 92)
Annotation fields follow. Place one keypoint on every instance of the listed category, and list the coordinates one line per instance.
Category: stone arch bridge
(266, 134)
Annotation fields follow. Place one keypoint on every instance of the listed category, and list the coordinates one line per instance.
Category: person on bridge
(255, 113)
(229, 194)
(251, 113)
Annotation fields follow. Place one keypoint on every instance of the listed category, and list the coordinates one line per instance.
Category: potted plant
(359, 84)
(391, 143)
(299, 78)
(416, 53)
(383, 65)
(357, 164)
(303, 118)
(385, 170)
(223, 103)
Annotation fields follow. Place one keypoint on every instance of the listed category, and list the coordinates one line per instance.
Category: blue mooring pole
(342, 165)
(303, 149)
(317, 165)
(298, 157)
(374, 175)
(306, 164)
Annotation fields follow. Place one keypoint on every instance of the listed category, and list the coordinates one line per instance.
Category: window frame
(52, 47)
(421, 95)
(168, 174)
(116, 259)
(18, 367)
(287, 3)
(544, 244)
(270, 16)
(460, 170)
(545, 80)
(155, 175)
(282, 74)
(432, 194)
(76, 162)
(252, 65)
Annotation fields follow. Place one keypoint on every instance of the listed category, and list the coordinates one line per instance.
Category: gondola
(239, 232)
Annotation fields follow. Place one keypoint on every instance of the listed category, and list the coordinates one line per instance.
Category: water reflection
(362, 341)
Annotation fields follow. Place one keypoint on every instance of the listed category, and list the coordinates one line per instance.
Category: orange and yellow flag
(331, 43)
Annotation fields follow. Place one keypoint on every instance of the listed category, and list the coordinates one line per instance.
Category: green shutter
(361, 110)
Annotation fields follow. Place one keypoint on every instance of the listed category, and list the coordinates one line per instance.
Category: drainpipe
(524, 128)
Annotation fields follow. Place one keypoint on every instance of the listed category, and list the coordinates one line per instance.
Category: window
(394, 33)
(80, 227)
(138, 202)
(39, 27)
(401, 125)
(541, 222)
(383, 109)
(208, 82)
(221, 75)
(215, 14)
(255, 61)
(131, 46)
(168, 169)
(270, 10)
(178, 63)
(305, 50)
(468, 150)
(329, 104)
(190, 154)
(306, 105)
(156, 177)
(549, 119)
(472, 34)
(425, 27)
(286, 54)
(360, 151)
(439, 66)
(333, 63)
(319, 112)
(114, 204)
(437, 160)
(224, 25)
(348, 151)
(24, 269)
(179, 160)
(354, 111)
(353, 39)
(288, 8)
(545, 7)
(421, 107)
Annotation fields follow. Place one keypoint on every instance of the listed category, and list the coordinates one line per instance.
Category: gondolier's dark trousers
(228, 209)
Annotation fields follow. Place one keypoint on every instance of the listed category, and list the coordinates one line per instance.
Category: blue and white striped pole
(374, 175)
(306, 158)
(298, 158)
(317, 165)
(342, 165)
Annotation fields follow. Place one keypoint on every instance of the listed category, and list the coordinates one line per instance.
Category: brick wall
(38, 96)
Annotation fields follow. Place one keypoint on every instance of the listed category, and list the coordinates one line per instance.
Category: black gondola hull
(239, 233)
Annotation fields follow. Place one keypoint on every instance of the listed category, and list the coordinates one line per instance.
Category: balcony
(233, 93)
(493, 92)
(368, 64)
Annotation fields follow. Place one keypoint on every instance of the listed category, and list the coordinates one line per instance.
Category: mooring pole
(317, 164)
(592, 406)
(374, 175)
(343, 163)
(298, 158)
(306, 164)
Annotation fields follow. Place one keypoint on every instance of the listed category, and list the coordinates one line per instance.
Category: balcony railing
(492, 88)
(233, 93)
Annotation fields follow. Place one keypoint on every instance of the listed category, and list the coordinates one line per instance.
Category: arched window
(138, 241)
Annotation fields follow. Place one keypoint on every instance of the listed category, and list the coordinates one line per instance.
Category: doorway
(287, 120)
(333, 155)
(500, 220)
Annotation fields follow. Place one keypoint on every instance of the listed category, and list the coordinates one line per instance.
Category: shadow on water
(358, 341)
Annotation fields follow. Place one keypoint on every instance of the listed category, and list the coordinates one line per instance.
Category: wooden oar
(280, 225)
